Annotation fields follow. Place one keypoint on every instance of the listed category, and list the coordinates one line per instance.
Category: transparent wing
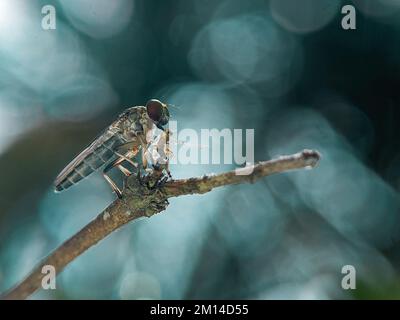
(99, 152)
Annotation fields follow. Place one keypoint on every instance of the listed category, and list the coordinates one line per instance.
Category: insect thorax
(134, 122)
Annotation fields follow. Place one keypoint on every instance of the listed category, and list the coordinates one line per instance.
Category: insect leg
(124, 157)
(144, 151)
(118, 163)
(124, 170)
(144, 159)
(115, 163)
(128, 155)
(113, 185)
(168, 152)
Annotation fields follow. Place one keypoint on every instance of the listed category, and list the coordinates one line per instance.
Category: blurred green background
(285, 68)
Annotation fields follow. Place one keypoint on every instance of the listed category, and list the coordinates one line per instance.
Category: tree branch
(141, 200)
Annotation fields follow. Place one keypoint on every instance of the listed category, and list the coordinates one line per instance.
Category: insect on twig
(120, 142)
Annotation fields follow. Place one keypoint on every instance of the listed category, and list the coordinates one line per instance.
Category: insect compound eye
(154, 110)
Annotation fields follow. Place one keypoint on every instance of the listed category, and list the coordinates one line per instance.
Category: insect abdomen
(85, 168)
(88, 164)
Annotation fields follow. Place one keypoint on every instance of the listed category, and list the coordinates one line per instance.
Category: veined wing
(99, 152)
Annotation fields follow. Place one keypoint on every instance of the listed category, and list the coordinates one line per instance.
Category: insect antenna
(174, 107)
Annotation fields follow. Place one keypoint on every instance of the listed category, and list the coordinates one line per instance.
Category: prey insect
(130, 133)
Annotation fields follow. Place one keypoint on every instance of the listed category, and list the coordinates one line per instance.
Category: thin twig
(144, 201)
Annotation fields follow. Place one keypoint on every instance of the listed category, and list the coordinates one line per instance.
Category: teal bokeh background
(283, 68)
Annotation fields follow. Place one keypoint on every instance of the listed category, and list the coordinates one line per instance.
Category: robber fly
(120, 142)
